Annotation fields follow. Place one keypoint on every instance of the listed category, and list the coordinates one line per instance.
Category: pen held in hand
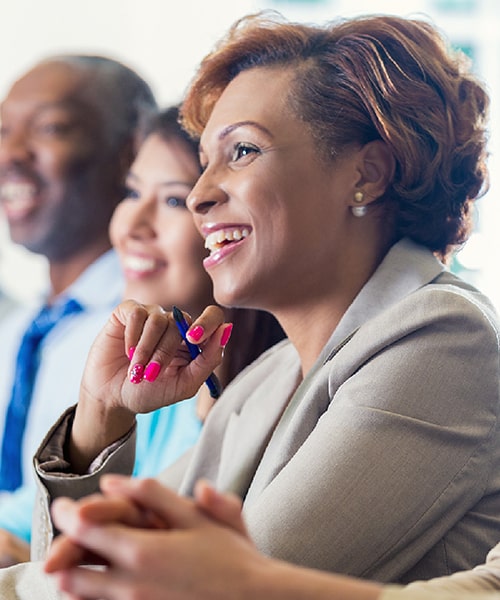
(212, 382)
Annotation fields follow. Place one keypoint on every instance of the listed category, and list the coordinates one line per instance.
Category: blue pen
(212, 382)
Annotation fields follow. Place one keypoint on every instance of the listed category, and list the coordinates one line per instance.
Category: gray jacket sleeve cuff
(54, 470)
(54, 477)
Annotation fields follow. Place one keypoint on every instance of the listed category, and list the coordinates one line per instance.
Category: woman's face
(275, 217)
(160, 249)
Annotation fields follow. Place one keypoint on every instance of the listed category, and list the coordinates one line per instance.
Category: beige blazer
(384, 463)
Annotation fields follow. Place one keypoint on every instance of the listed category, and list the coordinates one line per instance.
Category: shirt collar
(101, 284)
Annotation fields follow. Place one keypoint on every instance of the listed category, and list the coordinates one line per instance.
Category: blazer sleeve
(480, 583)
(54, 478)
(481, 579)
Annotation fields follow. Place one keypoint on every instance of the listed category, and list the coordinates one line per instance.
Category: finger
(209, 358)
(145, 326)
(117, 545)
(100, 509)
(64, 553)
(73, 518)
(131, 316)
(224, 508)
(154, 346)
(90, 584)
(175, 511)
(206, 324)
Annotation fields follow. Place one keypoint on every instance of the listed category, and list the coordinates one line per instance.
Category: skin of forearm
(279, 581)
(95, 427)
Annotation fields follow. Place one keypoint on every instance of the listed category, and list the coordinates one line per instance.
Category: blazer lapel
(417, 267)
(241, 423)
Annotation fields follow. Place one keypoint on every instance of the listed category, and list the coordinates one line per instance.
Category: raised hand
(139, 341)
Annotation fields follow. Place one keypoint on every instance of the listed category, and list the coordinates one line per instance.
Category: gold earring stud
(359, 211)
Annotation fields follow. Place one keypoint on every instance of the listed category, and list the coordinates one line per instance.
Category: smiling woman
(160, 249)
(162, 252)
(367, 442)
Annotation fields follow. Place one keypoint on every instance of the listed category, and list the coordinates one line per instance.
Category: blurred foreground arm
(200, 550)
(157, 545)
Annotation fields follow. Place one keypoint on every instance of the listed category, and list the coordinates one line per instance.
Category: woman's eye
(174, 202)
(243, 149)
(53, 128)
(130, 194)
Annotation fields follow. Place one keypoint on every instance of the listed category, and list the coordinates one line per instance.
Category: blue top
(162, 436)
(63, 354)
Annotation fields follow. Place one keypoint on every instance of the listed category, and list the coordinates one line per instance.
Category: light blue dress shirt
(63, 355)
(162, 436)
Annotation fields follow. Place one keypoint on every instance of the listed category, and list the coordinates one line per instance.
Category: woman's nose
(205, 195)
(142, 219)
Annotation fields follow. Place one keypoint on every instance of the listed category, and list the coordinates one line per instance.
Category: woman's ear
(376, 169)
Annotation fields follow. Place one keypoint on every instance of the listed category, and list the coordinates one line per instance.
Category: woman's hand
(200, 550)
(160, 546)
(13, 550)
(137, 364)
(112, 373)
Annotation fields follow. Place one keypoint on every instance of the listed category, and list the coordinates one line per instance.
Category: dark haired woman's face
(275, 217)
(160, 249)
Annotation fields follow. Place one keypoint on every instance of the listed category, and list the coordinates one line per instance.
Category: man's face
(57, 185)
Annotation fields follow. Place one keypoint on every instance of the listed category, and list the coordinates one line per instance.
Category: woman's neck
(311, 320)
(309, 328)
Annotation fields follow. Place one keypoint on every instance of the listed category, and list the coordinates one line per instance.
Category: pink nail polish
(152, 370)
(137, 373)
(196, 333)
(131, 351)
(226, 335)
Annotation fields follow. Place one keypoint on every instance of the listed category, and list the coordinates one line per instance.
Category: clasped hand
(152, 543)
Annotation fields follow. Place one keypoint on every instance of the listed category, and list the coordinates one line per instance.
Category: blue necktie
(26, 369)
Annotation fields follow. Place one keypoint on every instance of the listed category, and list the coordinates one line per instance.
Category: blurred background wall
(165, 39)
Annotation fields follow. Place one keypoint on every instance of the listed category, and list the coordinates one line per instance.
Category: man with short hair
(69, 130)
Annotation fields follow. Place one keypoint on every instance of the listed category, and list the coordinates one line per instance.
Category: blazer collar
(405, 268)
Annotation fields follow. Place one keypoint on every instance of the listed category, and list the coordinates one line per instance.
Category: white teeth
(17, 192)
(139, 263)
(214, 241)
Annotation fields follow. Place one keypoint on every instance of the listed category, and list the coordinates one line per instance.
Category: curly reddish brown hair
(373, 78)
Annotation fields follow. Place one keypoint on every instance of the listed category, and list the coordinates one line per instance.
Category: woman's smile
(222, 241)
(139, 266)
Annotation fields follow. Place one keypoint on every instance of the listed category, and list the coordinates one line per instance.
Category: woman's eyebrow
(230, 128)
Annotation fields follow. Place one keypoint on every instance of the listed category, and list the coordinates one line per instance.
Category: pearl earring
(359, 211)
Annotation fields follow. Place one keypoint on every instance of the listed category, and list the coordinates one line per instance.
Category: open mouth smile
(18, 198)
(222, 237)
(141, 265)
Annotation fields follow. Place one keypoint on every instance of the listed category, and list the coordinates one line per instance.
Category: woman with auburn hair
(161, 252)
(340, 166)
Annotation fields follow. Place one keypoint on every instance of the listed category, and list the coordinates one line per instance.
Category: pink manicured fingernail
(137, 373)
(152, 370)
(226, 335)
(196, 333)
(131, 351)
